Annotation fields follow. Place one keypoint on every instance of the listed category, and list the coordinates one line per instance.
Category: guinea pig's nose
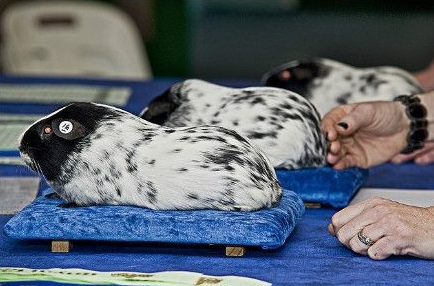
(27, 156)
(25, 150)
(22, 148)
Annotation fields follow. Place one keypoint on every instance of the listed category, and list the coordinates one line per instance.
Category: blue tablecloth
(310, 256)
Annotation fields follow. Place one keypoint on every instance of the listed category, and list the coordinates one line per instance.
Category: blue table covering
(310, 257)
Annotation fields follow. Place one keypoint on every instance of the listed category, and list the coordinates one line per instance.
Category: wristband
(416, 112)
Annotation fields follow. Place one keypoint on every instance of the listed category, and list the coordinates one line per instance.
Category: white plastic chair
(72, 38)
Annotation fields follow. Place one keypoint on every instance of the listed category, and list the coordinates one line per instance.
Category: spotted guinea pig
(93, 154)
(283, 124)
(327, 83)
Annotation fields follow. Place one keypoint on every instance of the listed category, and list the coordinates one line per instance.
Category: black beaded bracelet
(416, 112)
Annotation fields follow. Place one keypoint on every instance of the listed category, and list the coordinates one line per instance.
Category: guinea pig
(93, 154)
(328, 83)
(283, 124)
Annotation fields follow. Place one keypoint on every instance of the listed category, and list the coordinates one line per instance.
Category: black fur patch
(52, 151)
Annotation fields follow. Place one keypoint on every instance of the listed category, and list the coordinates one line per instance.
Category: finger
(383, 248)
(423, 156)
(375, 231)
(362, 217)
(346, 162)
(350, 230)
(339, 165)
(353, 218)
(329, 129)
(347, 125)
(328, 122)
(331, 229)
(338, 162)
(357, 246)
(401, 158)
(372, 232)
(350, 123)
(427, 154)
(335, 147)
(337, 155)
(347, 214)
(332, 159)
(425, 159)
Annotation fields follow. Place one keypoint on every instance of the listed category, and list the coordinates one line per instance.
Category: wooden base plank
(235, 251)
(312, 205)
(61, 246)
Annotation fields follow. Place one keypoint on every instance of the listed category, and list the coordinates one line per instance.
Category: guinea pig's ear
(305, 71)
(161, 107)
(174, 93)
(68, 129)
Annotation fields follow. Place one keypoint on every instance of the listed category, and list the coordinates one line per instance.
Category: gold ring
(365, 239)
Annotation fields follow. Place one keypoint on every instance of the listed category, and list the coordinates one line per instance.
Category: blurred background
(237, 39)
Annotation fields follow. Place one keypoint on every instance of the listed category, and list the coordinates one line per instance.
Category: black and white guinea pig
(283, 124)
(328, 83)
(93, 154)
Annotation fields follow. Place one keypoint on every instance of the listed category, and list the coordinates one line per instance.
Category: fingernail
(343, 125)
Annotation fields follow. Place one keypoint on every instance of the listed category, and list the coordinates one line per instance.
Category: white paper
(63, 93)
(89, 277)
(11, 127)
(16, 193)
(414, 197)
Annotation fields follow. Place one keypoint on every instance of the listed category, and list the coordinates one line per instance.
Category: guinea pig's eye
(48, 130)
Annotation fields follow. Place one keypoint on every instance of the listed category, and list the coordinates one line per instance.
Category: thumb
(348, 124)
(359, 117)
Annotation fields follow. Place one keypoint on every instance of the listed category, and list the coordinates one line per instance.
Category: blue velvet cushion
(268, 228)
(324, 185)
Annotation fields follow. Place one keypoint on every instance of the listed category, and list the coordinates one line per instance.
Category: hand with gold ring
(379, 228)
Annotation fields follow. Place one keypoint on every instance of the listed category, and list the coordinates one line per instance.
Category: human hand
(365, 134)
(423, 156)
(394, 228)
(425, 77)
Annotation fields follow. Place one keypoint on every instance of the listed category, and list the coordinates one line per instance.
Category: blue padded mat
(268, 228)
(324, 185)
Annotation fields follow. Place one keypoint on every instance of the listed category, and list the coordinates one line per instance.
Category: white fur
(206, 103)
(170, 154)
(326, 89)
(339, 83)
